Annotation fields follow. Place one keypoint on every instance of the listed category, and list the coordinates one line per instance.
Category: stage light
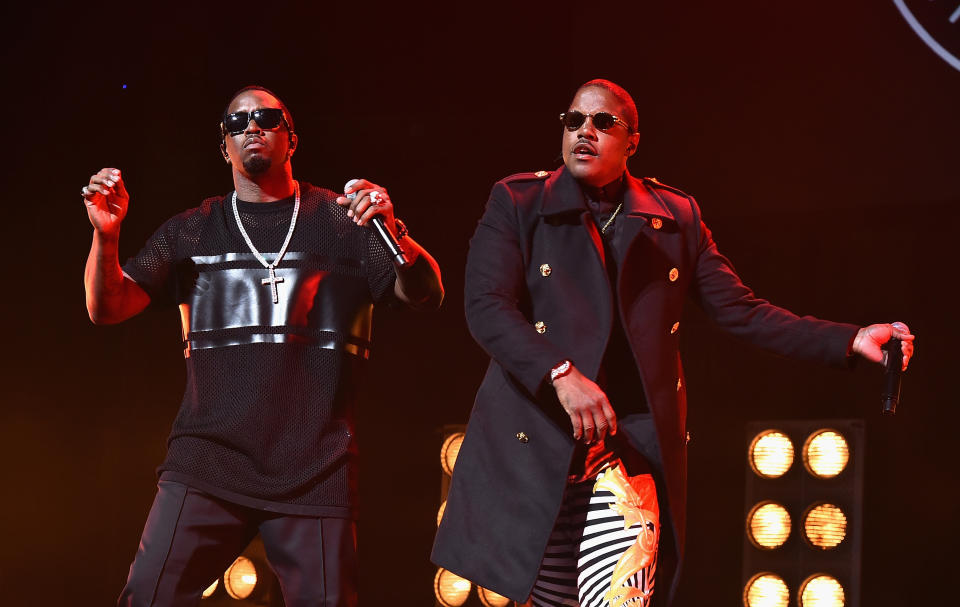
(210, 589)
(766, 590)
(771, 454)
(768, 525)
(821, 591)
(489, 598)
(241, 578)
(450, 589)
(449, 451)
(443, 507)
(824, 526)
(825, 453)
(820, 499)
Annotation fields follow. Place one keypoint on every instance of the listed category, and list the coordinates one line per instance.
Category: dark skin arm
(111, 296)
(418, 284)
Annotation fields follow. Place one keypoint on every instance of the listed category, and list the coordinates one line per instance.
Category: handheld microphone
(891, 375)
(399, 257)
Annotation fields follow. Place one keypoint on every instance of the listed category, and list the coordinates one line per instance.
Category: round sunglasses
(601, 120)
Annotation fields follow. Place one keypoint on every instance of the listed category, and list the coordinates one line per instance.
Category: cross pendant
(272, 281)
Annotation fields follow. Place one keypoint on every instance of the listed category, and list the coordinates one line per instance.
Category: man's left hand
(370, 200)
(869, 339)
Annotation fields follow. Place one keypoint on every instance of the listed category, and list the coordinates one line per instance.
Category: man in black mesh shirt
(275, 283)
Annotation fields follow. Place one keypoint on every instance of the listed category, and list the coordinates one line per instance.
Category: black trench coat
(512, 468)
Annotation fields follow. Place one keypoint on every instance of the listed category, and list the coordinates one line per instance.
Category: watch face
(937, 22)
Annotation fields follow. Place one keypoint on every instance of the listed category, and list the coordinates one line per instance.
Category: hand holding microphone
(365, 204)
(891, 345)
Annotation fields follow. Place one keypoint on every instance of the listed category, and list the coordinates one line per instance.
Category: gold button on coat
(541, 173)
(545, 270)
(657, 223)
(522, 437)
(674, 274)
(674, 328)
(540, 326)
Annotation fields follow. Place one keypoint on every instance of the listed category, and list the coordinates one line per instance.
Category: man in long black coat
(575, 283)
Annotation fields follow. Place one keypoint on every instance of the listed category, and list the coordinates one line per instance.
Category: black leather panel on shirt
(323, 304)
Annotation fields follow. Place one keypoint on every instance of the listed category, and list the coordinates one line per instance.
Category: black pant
(191, 537)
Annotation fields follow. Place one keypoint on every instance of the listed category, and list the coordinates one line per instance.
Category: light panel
(821, 591)
(450, 589)
(826, 453)
(824, 526)
(768, 525)
(771, 454)
(766, 590)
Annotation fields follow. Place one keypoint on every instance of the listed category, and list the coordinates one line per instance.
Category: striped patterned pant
(603, 549)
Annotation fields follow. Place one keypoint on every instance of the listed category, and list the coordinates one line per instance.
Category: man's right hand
(586, 404)
(106, 200)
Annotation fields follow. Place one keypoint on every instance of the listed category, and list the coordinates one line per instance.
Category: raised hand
(370, 200)
(106, 200)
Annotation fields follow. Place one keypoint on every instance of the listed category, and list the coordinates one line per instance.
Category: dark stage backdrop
(820, 139)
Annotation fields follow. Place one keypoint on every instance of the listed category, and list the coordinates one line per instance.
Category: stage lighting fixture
(821, 591)
(241, 578)
(450, 589)
(489, 598)
(210, 589)
(825, 454)
(449, 451)
(771, 454)
(824, 526)
(766, 590)
(822, 499)
(768, 525)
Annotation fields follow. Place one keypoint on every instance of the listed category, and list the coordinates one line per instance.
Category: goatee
(256, 164)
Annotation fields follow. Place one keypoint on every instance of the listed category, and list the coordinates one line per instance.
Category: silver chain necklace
(273, 279)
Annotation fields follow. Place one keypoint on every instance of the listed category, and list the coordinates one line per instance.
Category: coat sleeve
(495, 290)
(735, 308)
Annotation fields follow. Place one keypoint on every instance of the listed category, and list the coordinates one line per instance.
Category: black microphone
(891, 375)
(399, 257)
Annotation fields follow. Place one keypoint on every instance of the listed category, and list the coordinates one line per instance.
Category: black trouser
(191, 537)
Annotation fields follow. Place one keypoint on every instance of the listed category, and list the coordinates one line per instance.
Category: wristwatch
(562, 368)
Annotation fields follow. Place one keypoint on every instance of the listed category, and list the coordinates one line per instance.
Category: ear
(223, 150)
(632, 143)
(292, 147)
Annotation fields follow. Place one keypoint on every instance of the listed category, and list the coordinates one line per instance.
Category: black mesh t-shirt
(267, 413)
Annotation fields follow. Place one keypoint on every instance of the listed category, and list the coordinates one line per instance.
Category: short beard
(256, 164)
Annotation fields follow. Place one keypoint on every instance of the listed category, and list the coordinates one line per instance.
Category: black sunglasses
(267, 118)
(602, 120)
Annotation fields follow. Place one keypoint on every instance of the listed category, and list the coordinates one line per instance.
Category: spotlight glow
(824, 526)
(210, 589)
(766, 590)
(450, 589)
(241, 578)
(826, 453)
(771, 454)
(449, 451)
(822, 591)
(489, 598)
(768, 525)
